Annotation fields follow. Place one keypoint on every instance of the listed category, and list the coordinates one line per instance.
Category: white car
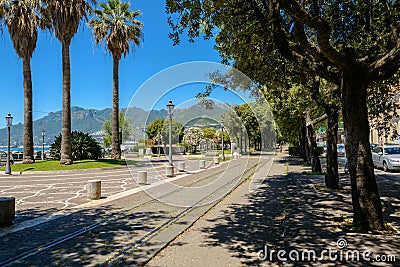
(386, 157)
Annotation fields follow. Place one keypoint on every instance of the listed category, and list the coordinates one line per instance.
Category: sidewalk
(288, 212)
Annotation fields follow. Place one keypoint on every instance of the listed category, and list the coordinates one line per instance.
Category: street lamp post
(43, 133)
(120, 139)
(222, 129)
(9, 119)
(170, 107)
(158, 143)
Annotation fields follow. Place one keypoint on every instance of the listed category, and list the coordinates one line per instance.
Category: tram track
(116, 216)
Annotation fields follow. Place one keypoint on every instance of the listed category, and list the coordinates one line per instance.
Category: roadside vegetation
(54, 165)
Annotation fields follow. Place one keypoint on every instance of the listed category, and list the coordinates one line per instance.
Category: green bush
(294, 151)
(320, 150)
(83, 147)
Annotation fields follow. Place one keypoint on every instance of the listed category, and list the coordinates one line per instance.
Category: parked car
(386, 157)
(341, 151)
(3, 158)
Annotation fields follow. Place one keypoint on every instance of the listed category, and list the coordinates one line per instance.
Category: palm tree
(65, 17)
(117, 28)
(22, 20)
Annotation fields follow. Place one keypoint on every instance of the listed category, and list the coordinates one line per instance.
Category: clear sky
(91, 67)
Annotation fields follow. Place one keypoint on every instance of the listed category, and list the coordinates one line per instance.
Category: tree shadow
(289, 213)
(85, 237)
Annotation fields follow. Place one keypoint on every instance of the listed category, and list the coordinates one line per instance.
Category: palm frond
(116, 27)
(22, 19)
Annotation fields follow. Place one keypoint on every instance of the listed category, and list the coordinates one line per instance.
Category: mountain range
(91, 121)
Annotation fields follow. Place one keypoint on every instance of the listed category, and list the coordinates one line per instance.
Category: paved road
(41, 193)
(128, 229)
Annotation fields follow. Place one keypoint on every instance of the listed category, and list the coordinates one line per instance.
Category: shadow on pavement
(294, 213)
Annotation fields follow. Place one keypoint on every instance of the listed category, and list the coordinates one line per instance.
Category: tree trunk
(66, 139)
(304, 151)
(312, 143)
(332, 173)
(315, 162)
(28, 120)
(116, 147)
(367, 205)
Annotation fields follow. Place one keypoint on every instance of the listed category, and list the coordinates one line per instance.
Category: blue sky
(91, 68)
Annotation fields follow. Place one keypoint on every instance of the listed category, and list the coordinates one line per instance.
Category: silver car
(386, 157)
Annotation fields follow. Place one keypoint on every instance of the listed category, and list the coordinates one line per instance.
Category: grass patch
(54, 165)
(322, 188)
(347, 225)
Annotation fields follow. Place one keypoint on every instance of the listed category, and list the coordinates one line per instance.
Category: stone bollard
(141, 151)
(235, 155)
(202, 164)
(94, 189)
(149, 152)
(7, 211)
(181, 166)
(216, 160)
(169, 170)
(142, 177)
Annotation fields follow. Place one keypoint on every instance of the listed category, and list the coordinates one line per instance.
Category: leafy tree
(193, 137)
(125, 125)
(65, 17)
(348, 43)
(117, 27)
(83, 147)
(23, 20)
(209, 133)
(154, 128)
(162, 126)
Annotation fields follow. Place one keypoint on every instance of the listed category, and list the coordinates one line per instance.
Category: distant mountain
(92, 120)
(86, 120)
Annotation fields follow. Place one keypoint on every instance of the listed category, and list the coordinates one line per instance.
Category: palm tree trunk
(28, 121)
(66, 140)
(116, 148)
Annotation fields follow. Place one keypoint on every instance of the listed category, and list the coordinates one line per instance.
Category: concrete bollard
(181, 166)
(235, 155)
(149, 152)
(141, 151)
(142, 177)
(7, 211)
(94, 189)
(202, 164)
(169, 170)
(216, 160)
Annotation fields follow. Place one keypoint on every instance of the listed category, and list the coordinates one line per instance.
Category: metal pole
(170, 139)
(223, 155)
(8, 167)
(158, 143)
(42, 146)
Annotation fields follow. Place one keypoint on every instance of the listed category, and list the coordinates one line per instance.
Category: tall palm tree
(23, 20)
(65, 17)
(117, 28)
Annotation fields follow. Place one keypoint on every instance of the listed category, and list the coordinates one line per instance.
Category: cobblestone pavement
(127, 230)
(284, 222)
(41, 193)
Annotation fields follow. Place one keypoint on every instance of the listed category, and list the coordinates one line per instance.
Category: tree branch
(322, 28)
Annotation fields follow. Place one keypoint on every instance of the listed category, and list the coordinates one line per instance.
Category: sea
(21, 149)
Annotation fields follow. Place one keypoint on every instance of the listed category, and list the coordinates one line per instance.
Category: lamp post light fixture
(222, 129)
(43, 134)
(170, 108)
(9, 119)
